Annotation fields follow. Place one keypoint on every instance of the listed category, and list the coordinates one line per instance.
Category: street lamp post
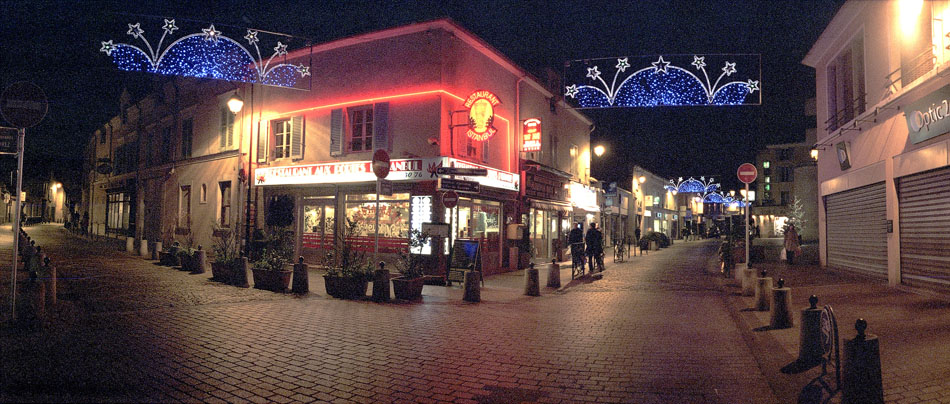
(235, 105)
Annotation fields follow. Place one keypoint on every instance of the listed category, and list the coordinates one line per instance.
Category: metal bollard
(809, 348)
(861, 380)
(200, 261)
(380, 283)
(143, 247)
(301, 278)
(473, 292)
(748, 281)
(240, 274)
(554, 275)
(50, 282)
(532, 285)
(763, 292)
(781, 311)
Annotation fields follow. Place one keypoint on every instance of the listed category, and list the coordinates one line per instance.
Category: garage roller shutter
(856, 227)
(924, 201)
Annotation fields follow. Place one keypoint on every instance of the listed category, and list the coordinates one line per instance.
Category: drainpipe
(514, 137)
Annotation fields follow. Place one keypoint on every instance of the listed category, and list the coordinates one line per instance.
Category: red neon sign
(531, 135)
(481, 114)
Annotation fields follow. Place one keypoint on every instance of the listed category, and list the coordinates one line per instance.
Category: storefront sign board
(494, 177)
(344, 172)
(928, 116)
(449, 184)
(531, 135)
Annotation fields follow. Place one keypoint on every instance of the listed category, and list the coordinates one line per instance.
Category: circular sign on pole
(381, 163)
(450, 199)
(747, 173)
(23, 104)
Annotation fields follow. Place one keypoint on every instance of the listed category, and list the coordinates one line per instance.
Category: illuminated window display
(393, 221)
(421, 213)
(319, 219)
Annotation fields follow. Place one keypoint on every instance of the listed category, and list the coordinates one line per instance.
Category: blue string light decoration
(661, 84)
(692, 185)
(208, 54)
(717, 197)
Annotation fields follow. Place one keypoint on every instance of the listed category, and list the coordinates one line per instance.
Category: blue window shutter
(296, 137)
(262, 136)
(336, 132)
(381, 126)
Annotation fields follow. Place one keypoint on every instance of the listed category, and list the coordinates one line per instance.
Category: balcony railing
(906, 74)
(846, 114)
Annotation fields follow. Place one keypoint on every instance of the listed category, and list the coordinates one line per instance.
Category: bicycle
(577, 260)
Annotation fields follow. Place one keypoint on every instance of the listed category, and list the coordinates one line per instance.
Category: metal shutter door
(856, 225)
(925, 228)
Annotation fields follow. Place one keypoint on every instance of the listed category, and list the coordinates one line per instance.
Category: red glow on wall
(531, 135)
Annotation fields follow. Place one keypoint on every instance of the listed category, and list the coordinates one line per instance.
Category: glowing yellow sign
(481, 114)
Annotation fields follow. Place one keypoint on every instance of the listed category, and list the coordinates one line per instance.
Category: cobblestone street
(654, 330)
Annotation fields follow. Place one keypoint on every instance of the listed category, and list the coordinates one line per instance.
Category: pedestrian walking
(576, 239)
(792, 246)
(595, 247)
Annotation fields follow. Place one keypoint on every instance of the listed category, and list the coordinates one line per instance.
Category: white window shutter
(296, 138)
(336, 132)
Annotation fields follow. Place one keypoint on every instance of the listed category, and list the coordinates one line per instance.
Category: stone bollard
(748, 281)
(200, 261)
(763, 292)
(240, 274)
(554, 275)
(381, 283)
(473, 292)
(781, 309)
(301, 283)
(50, 282)
(31, 307)
(861, 380)
(809, 348)
(130, 245)
(156, 250)
(532, 285)
(143, 248)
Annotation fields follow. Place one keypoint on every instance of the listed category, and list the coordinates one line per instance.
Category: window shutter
(224, 128)
(381, 126)
(336, 132)
(262, 137)
(296, 137)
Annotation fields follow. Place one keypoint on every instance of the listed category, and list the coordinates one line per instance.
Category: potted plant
(269, 272)
(347, 271)
(225, 254)
(169, 257)
(408, 286)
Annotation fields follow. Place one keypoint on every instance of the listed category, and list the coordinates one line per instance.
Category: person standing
(595, 247)
(576, 239)
(792, 246)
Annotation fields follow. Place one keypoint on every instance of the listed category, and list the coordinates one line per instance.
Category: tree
(795, 214)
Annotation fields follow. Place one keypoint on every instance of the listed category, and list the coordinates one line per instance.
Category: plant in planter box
(269, 268)
(348, 272)
(226, 254)
(410, 266)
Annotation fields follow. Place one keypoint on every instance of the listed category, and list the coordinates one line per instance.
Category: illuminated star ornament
(207, 54)
(660, 81)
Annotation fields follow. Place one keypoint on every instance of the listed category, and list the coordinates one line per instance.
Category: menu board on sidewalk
(465, 256)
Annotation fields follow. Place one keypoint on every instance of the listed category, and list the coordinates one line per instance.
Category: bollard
(861, 380)
(763, 292)
(143, 247)
(301, 278)
(472, 288)
(200, 261)
(129, 245)
(531, 283)
(748, 281)
(554, 275)
(809, 348)
(31, 308)
(156, 250)
(781, 310)
(50, 282)
(380, 283)
(239, 278)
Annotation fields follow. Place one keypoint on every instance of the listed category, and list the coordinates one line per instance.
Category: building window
(768, 180)
(768, 187)
(102, 137)
(187, 133)
(786, 198)
(766, 164)
(916, 51)
(784, 154)
(845, 77)
(554, 149)
(166, 152)
(361, 129)
(184, 206)
(226, 129)
(574, 159)
(203, 194)
(224, 202)
(787, 174)
(118, 209)
(282, 136)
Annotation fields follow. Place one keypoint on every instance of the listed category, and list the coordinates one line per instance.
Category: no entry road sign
(747, 173)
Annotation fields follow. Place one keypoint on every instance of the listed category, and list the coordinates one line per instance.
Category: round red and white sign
(381, 163)
(450, 199)
(747, 173)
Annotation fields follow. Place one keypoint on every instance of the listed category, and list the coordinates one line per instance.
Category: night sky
(56, 45)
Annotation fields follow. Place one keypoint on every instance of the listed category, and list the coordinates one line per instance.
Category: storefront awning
(557, 207)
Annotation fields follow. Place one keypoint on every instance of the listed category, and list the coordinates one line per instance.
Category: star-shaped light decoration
(107, 47)
(169, 26)
(303, 70)
(251, 37)
(211, 34)
(729, 69)
(135, 30)
(660, 65)
(593, 73)
(571, 91)
(622, 64)
(281, 49)
(699, 62)
(752, 85)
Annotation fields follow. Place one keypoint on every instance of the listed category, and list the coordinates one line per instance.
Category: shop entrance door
(318, 229)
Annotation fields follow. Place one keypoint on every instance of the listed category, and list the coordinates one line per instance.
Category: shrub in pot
(226, 254)
(348, 273)
(408, 286)
(270, 273)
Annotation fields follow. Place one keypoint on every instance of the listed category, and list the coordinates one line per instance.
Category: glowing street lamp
(235, 104)
(599, 150)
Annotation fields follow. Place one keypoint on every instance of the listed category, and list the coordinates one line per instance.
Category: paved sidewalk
(914, 331)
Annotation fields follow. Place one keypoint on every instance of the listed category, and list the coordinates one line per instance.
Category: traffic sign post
(746, 173)
(465, 172)
(381, 169)
(450, 199)
(449, 184)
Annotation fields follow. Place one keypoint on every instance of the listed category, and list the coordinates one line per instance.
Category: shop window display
(393, 221)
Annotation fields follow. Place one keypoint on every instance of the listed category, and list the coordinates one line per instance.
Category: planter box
(221, 272)
(275, 281)
(408, 289)
(345, 288)
(168, 258)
